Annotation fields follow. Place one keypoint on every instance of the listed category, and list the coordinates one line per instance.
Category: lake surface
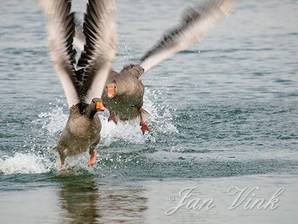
(224, 114)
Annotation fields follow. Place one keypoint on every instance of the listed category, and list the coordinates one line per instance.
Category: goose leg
(62, 158)
(92, 160)
(62, 165)
(143, 124)
(113, 117)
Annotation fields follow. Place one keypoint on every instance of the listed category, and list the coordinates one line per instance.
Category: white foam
(24, 164)
(125, 131)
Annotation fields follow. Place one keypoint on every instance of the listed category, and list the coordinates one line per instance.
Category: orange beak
(111, 92)
(99, 106)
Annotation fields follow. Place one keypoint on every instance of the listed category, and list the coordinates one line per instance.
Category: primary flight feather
(194, 26)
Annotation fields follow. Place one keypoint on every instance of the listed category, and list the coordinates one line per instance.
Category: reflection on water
(78, 198)
(83, 200)
(87, 199)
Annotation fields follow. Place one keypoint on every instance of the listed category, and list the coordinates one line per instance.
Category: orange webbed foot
(144, 127)
(92, 159)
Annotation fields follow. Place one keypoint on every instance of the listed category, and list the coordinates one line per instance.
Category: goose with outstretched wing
(123, 95)
(83, 79)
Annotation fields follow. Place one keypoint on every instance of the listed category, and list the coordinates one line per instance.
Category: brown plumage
(124, 92)
(126, 100)
(83, 76)
(82, 131)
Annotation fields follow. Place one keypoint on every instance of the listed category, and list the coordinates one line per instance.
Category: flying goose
(83, 76)
(123, 95)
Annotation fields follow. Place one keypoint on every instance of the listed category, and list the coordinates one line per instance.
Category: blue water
(226, 108)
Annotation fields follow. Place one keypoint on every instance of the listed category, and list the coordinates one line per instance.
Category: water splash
(161, 115)
(39, 156)
(53, 121)
(128, 132)
(23, 163)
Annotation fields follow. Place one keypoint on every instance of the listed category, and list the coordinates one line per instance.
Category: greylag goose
(83, 80)
(123, 95)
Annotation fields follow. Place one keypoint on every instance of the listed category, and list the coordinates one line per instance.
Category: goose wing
(61, 30)
(79, 38)
(99, 51)
(194, 26)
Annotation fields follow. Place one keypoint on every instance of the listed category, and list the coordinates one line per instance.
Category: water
(223, 114)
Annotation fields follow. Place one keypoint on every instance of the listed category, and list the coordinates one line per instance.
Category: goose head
(95, 106)
(111, 89)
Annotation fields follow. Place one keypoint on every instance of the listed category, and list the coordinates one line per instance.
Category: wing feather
(61, 30)
(195, 25)
(79, 38)
(99, 51)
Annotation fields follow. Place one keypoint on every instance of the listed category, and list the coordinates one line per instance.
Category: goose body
(81, 132)
(124, 92)
(128, 102)
(82, 74)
